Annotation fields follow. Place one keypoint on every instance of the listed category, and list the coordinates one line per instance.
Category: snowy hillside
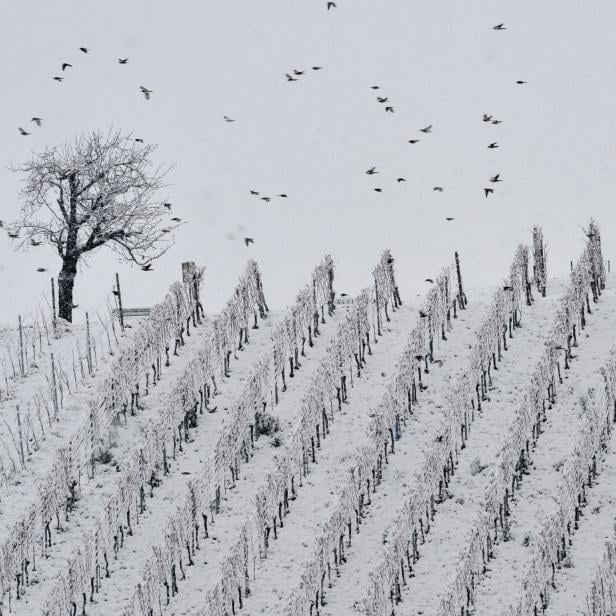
(370, 455)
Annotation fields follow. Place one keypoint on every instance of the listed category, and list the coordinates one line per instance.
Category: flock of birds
(291, 76)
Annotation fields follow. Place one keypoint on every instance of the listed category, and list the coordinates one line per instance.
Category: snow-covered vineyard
(376, 457)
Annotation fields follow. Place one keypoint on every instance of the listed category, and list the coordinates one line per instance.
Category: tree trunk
(66, 283)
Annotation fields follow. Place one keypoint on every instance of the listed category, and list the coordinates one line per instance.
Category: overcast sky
(439, 63)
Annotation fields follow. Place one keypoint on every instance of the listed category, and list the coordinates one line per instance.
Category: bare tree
(98, 189)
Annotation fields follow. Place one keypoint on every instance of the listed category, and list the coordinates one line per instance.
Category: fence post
(119, 292)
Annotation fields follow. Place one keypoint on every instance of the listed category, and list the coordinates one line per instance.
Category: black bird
(296, 72)
(331, 5)
(507, 288)
(84, 49)
(266, 199)
(381, 99)
(123, 60)
(13, 234)
(37, 121)
(66, 65)
(427, 129)
(487, 191)
(176, 219)
(317, 68)
(438, 188)
(497, 121)
(379, 190)
(116, 293)
(75, 306)
(372, 171)
(423, 315)
(400, 180)
(59, 78)
(254, 192)
(486, 117)
(282, 195)
(496, 178)
(390, 109)
(429, 280)
(147, 267)
(493, 145)
(228, 119)
(167, 205)
(248, 241)
(290, 77)
(41, 269)
(520, 82)
(166, 230)
(499, 27)
(375, 87)
(145, 92)
(413, 140)
(23, 132)
(139, 140)
(449, 218)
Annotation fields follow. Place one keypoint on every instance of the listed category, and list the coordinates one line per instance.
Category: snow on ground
(537, 492)
(279, 573)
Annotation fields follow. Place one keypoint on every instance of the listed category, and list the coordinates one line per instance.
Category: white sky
(439, 63)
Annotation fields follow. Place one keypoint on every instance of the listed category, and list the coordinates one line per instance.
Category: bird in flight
(449, 218)
(427, 129)
(520, 82)
(266, 199)
(400, 180)
(282, 195)
(438, 188)
(147, 267)
(390, 109)
(290, 77)
(496, 178)
(486, 117)
(37, 121)
(228, 119)
(176, 219)
(381, 99)
(296, 72)
(167, 205)
(374, 87)
(372, 171)
(493, 145)
(145, 92)
(509, 288)
(66, 65)
(499, 27)
(497, 121)
(331, 5)
(254, 192)
(13, 234)
(41, 269)
(379, 190)
(429, 280)
(248, 241)
(423, 315)
(23, 132)
(122, 60)
(413, 140)
(59, 78)
(84, 49)
(139, 140)
(317, 68)
(487, 191)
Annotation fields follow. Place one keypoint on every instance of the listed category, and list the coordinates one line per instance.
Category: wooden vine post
(54, 321)
(462, 297)
(22, 365)
(119, 296)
